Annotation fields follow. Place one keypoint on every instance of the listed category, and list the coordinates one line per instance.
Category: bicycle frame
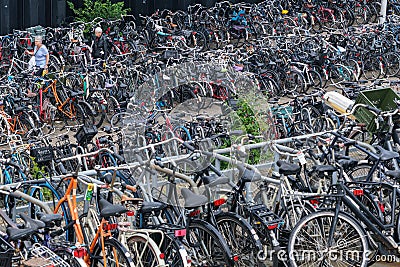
(364, 215)
(101, 233)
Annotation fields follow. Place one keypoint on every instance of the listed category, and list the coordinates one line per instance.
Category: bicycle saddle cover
(247, 175)
(108, 210)
(214, 180)
(324, 168)
(287, 168)
(148, 207)
(32, 223)
(386, 154)
(15, 234)
(50, 219)
(393, 174)
(348, 163)
(193, 200)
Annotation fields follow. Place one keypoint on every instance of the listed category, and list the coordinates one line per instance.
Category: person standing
(41, 55)
(99, 48)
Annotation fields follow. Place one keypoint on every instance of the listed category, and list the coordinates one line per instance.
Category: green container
(382, 99)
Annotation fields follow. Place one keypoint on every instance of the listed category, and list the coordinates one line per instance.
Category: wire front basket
(45, 253)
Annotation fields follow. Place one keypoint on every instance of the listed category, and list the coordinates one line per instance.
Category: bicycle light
(180, 233)
(219, 202)
(80, 252)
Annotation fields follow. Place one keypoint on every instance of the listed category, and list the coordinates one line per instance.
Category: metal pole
(382, 15)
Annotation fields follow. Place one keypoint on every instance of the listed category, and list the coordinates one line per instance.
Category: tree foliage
(98, 8)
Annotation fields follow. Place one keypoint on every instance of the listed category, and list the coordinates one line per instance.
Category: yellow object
(45, 72)
(339, 103)
(285, 11)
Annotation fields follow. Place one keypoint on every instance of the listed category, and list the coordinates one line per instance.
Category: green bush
(98, 8)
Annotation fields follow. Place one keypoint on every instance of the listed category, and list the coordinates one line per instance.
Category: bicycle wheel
(241, 238)
(116, 255)
(309, 241)
(66, 255)
(372, 68)
(360, 173)
(79, 116)
(393, 64)
(294, 82)
(339, 74)
(90, 116)
(146, 251)
(208, 244)
(174, 251)
(113, 107)
(24, 126)
(315, 80)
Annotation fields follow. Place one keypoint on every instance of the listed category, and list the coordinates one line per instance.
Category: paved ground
(385, 264)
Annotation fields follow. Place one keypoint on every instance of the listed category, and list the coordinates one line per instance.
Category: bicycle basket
(45, 253)
(37, 31)
(167, 54)
(382, 99)
(42, 154)
(85, 134)
(6, 253)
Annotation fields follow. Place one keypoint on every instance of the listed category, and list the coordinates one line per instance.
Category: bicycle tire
(321, 220)
(216, 252)
(144, 246)
(119, 255)
(247, 246)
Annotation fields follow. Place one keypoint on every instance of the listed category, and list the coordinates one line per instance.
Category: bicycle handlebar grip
(159, 163)
(373, 109)
(188, 146)
(350, 143)
(119, 157)
(217, 172)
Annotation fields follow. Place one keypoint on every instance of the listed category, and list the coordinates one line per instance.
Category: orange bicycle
(15, 120)
(103, 250)
(66, 102)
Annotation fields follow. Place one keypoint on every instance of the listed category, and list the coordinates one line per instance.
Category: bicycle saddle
(50, 219)
(385, 155)
(348, 163)
(19, 109)
(107, 209)
(324, 168)
(213, 180)
(74, 94)
(15, 234)
(148, 207)
(32, 223)
(122, 86)
(287, 168)
(393, 174)
(249, 175)
(193, 200)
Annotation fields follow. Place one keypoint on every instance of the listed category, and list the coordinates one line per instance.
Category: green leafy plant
(98, 8)
(251, 124)
(36, 170)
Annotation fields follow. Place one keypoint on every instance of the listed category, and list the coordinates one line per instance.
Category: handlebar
(79, 156)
